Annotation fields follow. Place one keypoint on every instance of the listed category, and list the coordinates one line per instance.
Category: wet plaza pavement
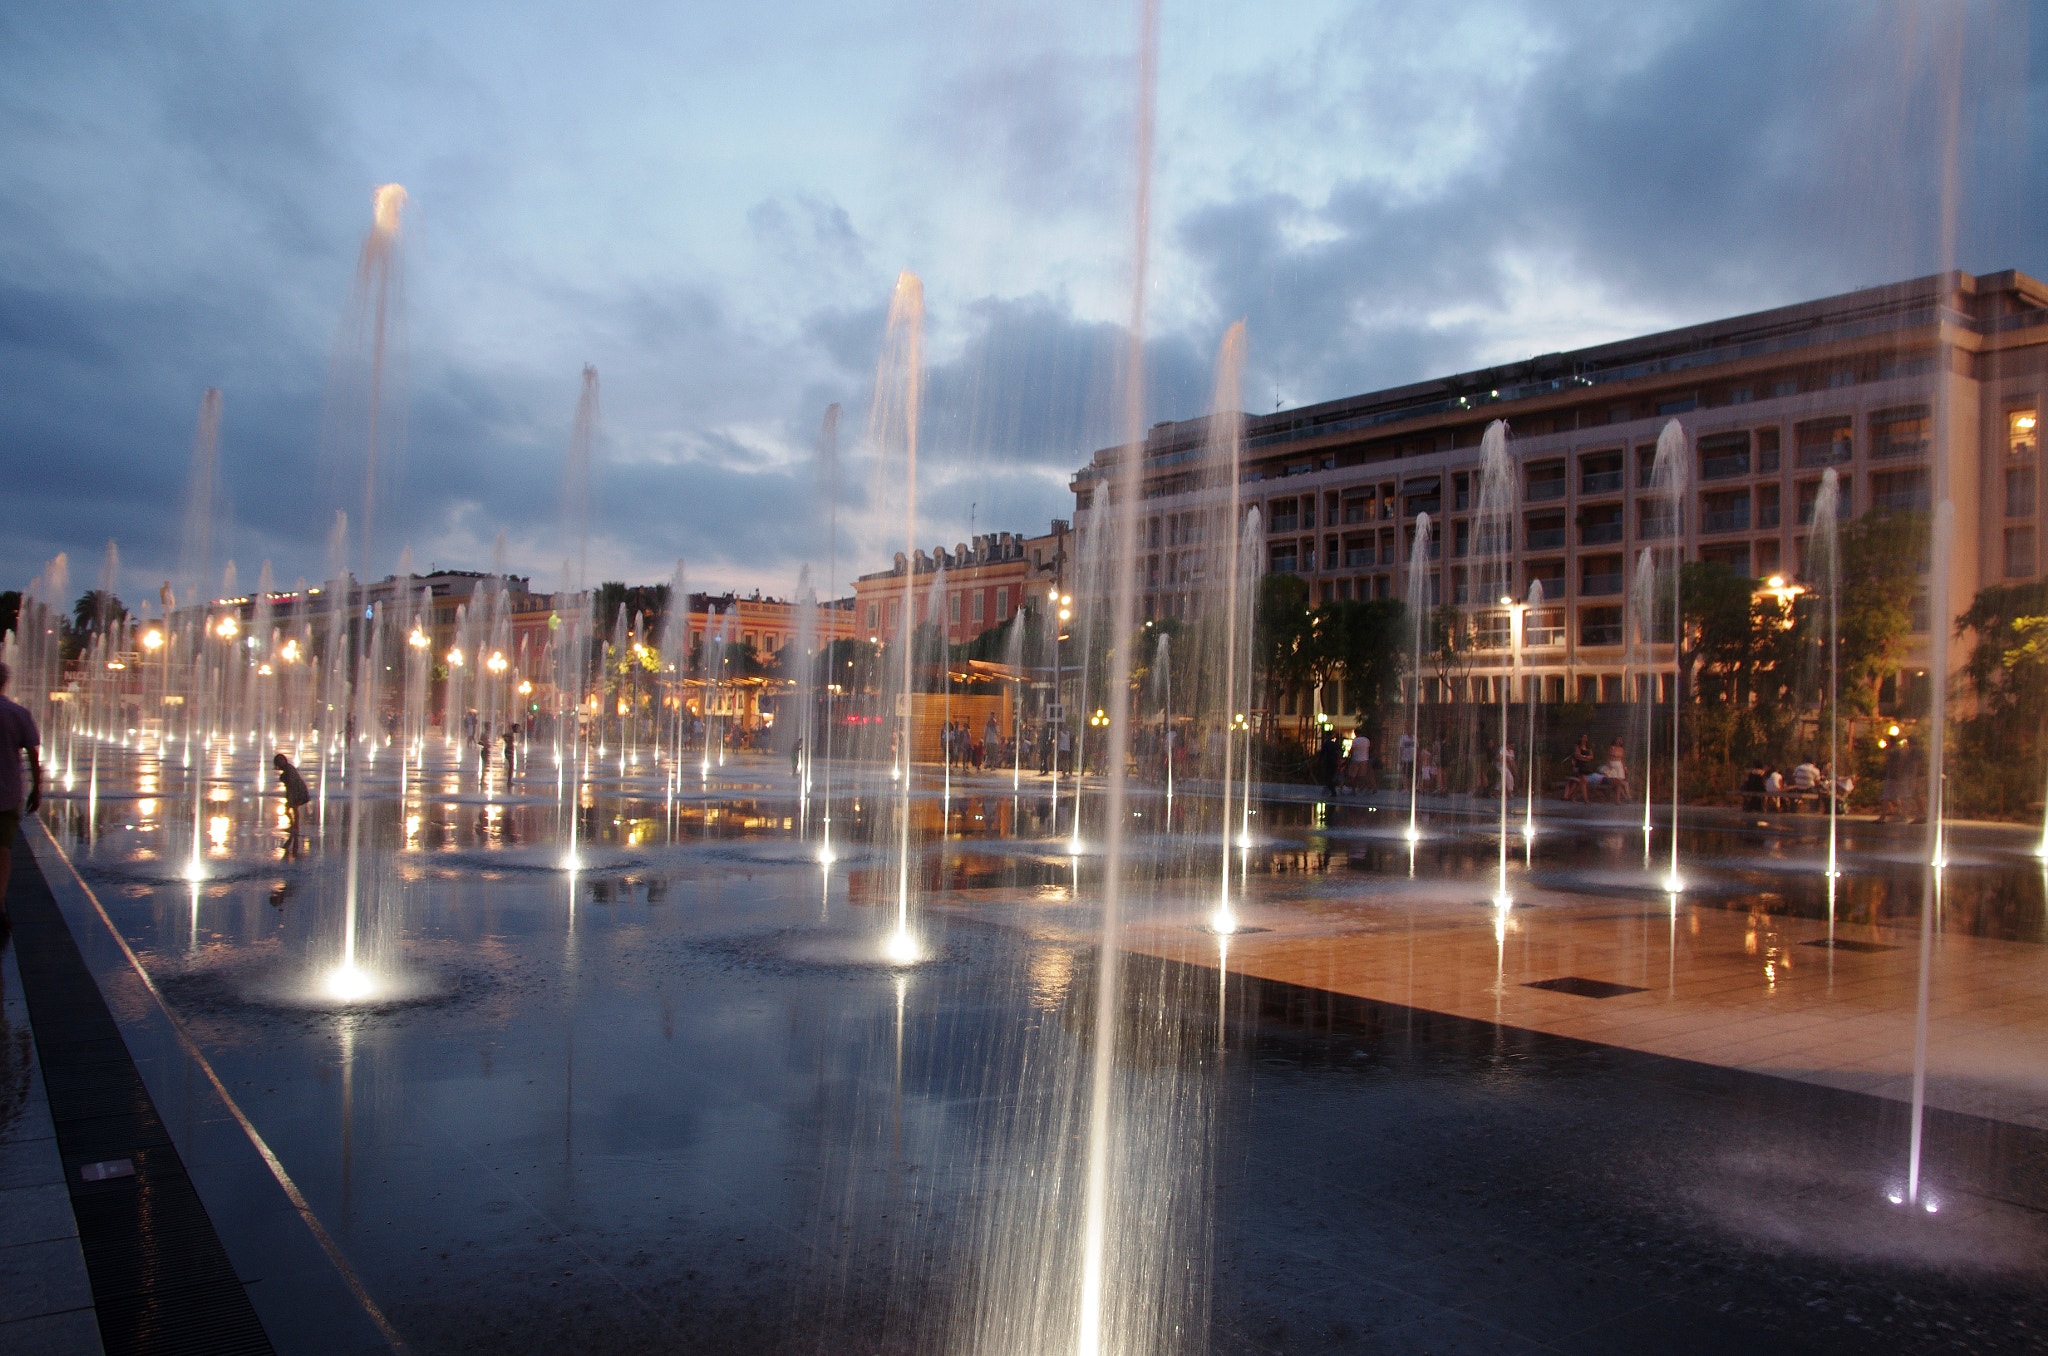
(676, 1100)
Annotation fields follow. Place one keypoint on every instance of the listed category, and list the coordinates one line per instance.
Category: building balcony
(1358, 555)
(1826, 454)
(1727, 520)
(1599, 585)
(1603, 633)
(1599, 534)
(1550, 488)
(1600, 482)
(1721, 468)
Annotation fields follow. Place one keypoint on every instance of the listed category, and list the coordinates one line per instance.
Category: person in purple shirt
(17, 736)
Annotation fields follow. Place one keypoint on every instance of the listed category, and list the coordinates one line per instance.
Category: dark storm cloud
(1765, 156)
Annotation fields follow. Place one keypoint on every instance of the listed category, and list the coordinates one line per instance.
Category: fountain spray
(1226, 445)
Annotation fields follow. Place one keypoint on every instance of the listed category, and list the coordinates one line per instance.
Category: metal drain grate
(161, 1282)
(1846, 944)
(1585, 988)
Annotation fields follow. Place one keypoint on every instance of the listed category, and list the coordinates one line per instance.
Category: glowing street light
(290, 652)
(496, 663)
(418, 639)
(455, 659)
(227, 628)
(152, 639)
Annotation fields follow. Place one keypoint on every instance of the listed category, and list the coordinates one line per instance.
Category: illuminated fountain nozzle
(1673, 885)
(901, 948)
(826, 856)
(1223, 922)
(571, 862)
(350, 983)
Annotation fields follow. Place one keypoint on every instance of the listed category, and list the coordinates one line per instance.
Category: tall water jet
(1670, 473)
(1532, 764)
(1824, 567)
(1226, 453)
(1418, 613)
(366, 412)
(1013, 658)
(1251, 560)
(827, 481)
(1492, 539)
(1641, 667)
(1098, 1326)
(1162, 668)
(674, 662)
(893, 424)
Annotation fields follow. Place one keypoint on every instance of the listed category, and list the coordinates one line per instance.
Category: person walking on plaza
(1329, 757)
(295, 795)
(1407, 757)
(510, 738)
(1358, 768)
(18, 738)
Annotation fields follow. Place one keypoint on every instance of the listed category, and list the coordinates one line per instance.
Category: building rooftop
(1982, 304)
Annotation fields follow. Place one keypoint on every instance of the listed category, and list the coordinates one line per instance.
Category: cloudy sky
(710, 204)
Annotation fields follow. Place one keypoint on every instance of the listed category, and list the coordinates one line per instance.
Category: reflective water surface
(678, 1099)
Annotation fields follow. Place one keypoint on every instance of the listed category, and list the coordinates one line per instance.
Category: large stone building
(987, 582)
(769, 625)
(1872, 383)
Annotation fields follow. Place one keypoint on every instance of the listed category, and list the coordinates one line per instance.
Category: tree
(1283, 639)
(95, 612)
(1883, 555)
(1373, 641)
(2008, 666)
(10, 611)
(1447, 647)
(2003, 742)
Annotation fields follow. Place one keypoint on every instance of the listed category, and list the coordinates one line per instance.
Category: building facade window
(1825, 442)
(2022, 432)
(1003, 603)
(2019, 552)
(1600, 626)
(1723, 455)
(2019, 492)
(1900, 433)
